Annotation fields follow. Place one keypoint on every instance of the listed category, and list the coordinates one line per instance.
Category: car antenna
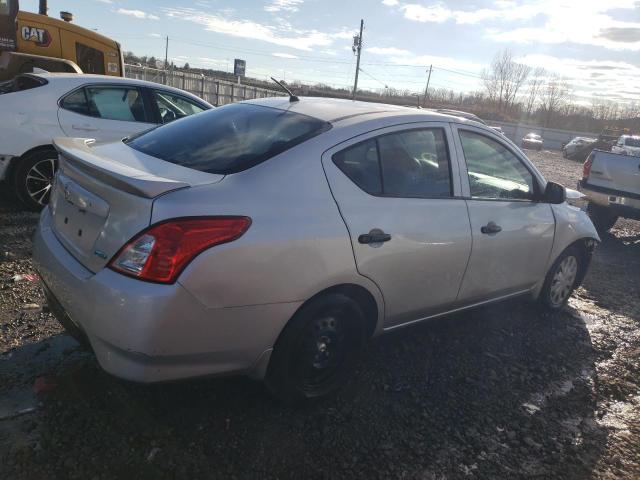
(292, 97)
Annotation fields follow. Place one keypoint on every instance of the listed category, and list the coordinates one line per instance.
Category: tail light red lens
(160, 253)
(586, 166)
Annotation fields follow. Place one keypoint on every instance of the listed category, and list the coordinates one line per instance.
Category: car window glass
(415, 163)
(228, 139)
(89, 59)
(116, 103)
(494, 172)
(360, 164)
(76, 102)
(172, 107)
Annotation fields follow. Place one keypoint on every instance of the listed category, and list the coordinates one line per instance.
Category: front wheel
(602, 217)
(33, 178)
(318, 349)
(562, 279)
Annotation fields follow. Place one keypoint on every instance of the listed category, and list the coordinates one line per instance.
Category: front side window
(228, 139)
(116, 103)
(172, 107)
(494, 172)
(411, 163)
(632, 142)
(90, 60)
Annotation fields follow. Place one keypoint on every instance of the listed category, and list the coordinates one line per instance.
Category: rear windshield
(228, 139)
(20, 83)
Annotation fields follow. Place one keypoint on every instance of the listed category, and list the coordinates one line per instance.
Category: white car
(627, 145)
(34, 108)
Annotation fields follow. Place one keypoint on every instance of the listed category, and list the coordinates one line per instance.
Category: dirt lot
(499, 392)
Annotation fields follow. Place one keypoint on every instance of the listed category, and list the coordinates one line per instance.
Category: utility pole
(166, 54)
(357, 48)
(426, 90)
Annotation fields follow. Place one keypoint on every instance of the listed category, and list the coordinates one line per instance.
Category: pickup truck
(611, 182)
(627, 145)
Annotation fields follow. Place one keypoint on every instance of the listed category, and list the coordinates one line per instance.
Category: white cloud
(105, 1)
(588, 78)
(138, 14)
(283, 6)
(283, 55)
(564, 21)
(283, 35)
(389, 51)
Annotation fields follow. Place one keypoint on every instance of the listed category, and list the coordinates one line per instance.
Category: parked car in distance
(627, 145)
(273, 237)
(532, 141)
(578, 147)
(610, 181)
(34, 108)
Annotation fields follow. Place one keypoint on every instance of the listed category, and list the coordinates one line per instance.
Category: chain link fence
(215, 91)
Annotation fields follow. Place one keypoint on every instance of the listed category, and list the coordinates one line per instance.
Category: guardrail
(215, 91)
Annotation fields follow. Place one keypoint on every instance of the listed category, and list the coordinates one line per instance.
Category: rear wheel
(562, 279)
(33, 178)
(318, 349)
(602, 217)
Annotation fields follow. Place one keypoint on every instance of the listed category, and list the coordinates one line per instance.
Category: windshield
(533, 136)
(632, 142)
(228, 139)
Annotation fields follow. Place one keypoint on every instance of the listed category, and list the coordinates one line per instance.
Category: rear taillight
(160, 253)
(586, 166)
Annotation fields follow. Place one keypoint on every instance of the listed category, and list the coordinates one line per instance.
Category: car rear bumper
(147, 332)
(622, 205)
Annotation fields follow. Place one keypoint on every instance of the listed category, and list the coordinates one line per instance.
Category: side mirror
(554, 193)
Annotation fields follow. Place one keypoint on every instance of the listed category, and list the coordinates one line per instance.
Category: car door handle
(374, 236)
(86, 128)
(491, 227)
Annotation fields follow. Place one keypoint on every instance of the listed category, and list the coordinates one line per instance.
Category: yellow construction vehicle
(35, 40)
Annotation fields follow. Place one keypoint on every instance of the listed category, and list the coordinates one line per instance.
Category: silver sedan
(274, 237)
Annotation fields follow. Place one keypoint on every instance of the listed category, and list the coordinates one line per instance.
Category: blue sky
(593, 44)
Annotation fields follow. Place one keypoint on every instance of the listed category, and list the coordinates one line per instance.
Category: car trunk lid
(103, 195)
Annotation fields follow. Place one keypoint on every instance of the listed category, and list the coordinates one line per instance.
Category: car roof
(72, 80)
(334, 110)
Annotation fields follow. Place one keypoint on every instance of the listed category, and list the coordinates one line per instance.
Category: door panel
(512, 233)
(419, 269)
(513, 259)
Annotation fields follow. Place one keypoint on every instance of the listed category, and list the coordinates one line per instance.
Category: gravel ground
(499, 392)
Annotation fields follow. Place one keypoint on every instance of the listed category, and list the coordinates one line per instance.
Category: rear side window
(20, 83)
(228, 139)
(76, 102)
(116, 103)
(90, 60)
(361, 164)
(411, 163)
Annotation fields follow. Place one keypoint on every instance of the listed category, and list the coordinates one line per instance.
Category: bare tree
(535, 87)
(554, 94)
(504, 79)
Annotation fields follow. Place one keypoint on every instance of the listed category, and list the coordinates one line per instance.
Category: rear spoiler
(77, 153)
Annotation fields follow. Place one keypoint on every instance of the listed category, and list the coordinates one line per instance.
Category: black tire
(34, 173)
(549, 298)
(318, 349)
(602, 217)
